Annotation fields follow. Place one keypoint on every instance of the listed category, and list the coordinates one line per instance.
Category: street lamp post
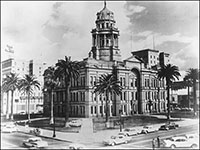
(120, 115)
(54, 127)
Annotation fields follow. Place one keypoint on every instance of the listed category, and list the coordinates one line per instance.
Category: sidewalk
(88, 138)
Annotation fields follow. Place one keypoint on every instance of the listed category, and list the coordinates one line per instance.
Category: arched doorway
(139, 90)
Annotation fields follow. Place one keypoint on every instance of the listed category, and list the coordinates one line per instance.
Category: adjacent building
(142, 91)
(22, 67)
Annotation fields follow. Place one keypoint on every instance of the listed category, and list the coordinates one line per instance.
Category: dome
(105, 14)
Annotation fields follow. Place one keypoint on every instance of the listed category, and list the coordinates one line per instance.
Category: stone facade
(142, 91)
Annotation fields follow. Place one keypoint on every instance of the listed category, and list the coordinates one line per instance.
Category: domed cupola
(105, 37)
(105, 14)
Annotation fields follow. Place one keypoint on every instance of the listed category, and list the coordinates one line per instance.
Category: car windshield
(34, 140)
(126, 129)
(113, 137)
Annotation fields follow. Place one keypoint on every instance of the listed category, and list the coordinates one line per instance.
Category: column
(104, 37)
(96, 41)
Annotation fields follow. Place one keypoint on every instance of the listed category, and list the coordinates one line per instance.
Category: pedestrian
(153, 144)
(158, 141)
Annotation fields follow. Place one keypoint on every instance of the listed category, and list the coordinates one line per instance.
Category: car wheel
(194, 146)
(172, 146)
(113, 144)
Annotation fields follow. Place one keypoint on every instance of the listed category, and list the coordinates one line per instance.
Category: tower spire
(104, 3)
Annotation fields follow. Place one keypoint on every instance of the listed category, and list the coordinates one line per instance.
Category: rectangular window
(100, 97)
(101, 109)
(77, 97)
(132, 96)
(91, 109)
(121, 81)
(121, 96)
(95, 109)
(102, 25)
(124, 82)
(124, 95)
(92, 97)
(91, 80)
(95, 81)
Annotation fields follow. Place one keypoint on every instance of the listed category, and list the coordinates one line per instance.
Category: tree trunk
(168, 101)
(188, 96)
(12, 101)
(51, 101)
(7, 106)
(194, 96)
(67, 102)
(29, 117)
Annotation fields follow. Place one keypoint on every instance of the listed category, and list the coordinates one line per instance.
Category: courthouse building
(142, 92)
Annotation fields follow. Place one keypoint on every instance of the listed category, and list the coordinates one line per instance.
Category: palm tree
(106, 85)
(10, 83)
(170, 73)
(188, 84)
(192, 76)
(27, 85)
(66, 70)
(50, 83)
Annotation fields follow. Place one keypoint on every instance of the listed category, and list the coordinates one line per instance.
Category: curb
(46, 137)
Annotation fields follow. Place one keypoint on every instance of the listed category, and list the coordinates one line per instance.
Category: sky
(49, 30)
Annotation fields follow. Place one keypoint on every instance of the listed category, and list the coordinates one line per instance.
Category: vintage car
(180, 142)
(130, 131)
(35, 142)
(172, 125)
(118, 139)
(149, 129)
(9, 127)
(75, 123)
(164, 127)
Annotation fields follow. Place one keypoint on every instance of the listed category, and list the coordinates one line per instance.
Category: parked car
(172, 125)
(180, 142)
(9, 129)
(164, 127)
(129, 132)
(169, 126)
(149, 129)
(192, 137)
(22, 113)
(35, 142)
(76, 146)
(75, 123)
(118, 139)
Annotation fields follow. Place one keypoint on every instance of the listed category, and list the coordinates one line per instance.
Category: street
(14, 141)
(142, 141)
